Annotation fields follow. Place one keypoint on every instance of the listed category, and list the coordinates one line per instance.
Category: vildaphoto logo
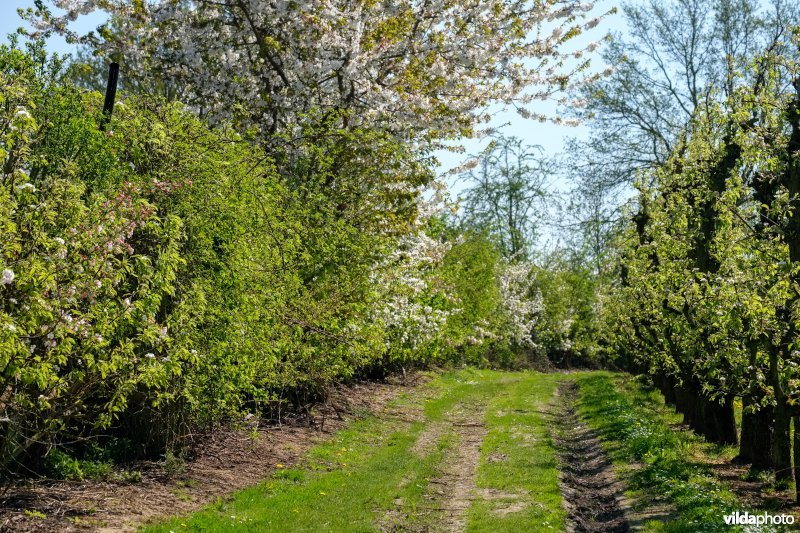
(745, 518)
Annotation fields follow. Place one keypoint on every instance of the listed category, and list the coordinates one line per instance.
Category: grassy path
(468, 451)
(484, 451)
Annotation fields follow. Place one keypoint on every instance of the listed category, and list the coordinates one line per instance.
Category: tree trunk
(757, 419)
(791, 180)
(682, 403)
(781, 445)
(667, 387)
(713, 420)
(756, 438)
(796, 421)
(719, 420)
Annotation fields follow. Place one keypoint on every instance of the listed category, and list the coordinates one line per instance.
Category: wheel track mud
(592, 494)
(451, 492)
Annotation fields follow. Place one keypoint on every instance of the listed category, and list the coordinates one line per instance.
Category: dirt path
(458, 479)
(592, 495)
(451, 492)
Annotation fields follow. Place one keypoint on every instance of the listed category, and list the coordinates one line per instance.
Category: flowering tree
(521, 302)
(421, 69)
(406, 280)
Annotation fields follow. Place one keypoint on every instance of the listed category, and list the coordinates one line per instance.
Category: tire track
(592, 494)
(450, 493)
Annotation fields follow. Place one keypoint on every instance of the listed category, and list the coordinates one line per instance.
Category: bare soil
(591, 491)
(225, 461)
(458, 476)
(428, 439)
(449, 494)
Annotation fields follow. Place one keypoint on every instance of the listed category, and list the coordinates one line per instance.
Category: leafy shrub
(61, 465)
(85, 271)
(163, 275)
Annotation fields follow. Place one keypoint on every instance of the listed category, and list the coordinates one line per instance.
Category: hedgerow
(161, 275)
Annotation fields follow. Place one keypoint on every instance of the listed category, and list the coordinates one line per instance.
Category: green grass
(671, 464)
(524, 460)
(369, 476)
(355, 481)
(345, 485)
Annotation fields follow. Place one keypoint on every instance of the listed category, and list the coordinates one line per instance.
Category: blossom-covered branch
(422, 69)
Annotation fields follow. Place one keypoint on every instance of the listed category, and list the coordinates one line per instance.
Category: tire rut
(448, 497)
(592, 494)
(457, 480)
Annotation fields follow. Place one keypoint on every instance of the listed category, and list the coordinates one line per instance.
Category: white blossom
(279, 59)
(22, 113)
(522, 302)
(7, 276)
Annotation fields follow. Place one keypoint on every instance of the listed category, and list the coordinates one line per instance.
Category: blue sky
(549, 136)
(10, 21)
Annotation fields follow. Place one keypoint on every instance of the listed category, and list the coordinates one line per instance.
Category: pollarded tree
(421, 69)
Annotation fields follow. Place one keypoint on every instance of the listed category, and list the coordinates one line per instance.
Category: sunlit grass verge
(345, 486)
(637, 429)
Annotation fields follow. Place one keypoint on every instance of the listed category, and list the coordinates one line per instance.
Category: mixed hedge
(161, 275)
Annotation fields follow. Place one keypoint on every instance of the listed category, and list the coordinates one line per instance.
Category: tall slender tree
(506, 192)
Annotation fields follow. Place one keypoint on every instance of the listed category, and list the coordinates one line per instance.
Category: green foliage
(506, 192)
(61, 465)
(567, 330)
(470, 269)
(163, 275)
(86, 267)
(505, 201)
(706, 295)
(33, 513)
(174, 464)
